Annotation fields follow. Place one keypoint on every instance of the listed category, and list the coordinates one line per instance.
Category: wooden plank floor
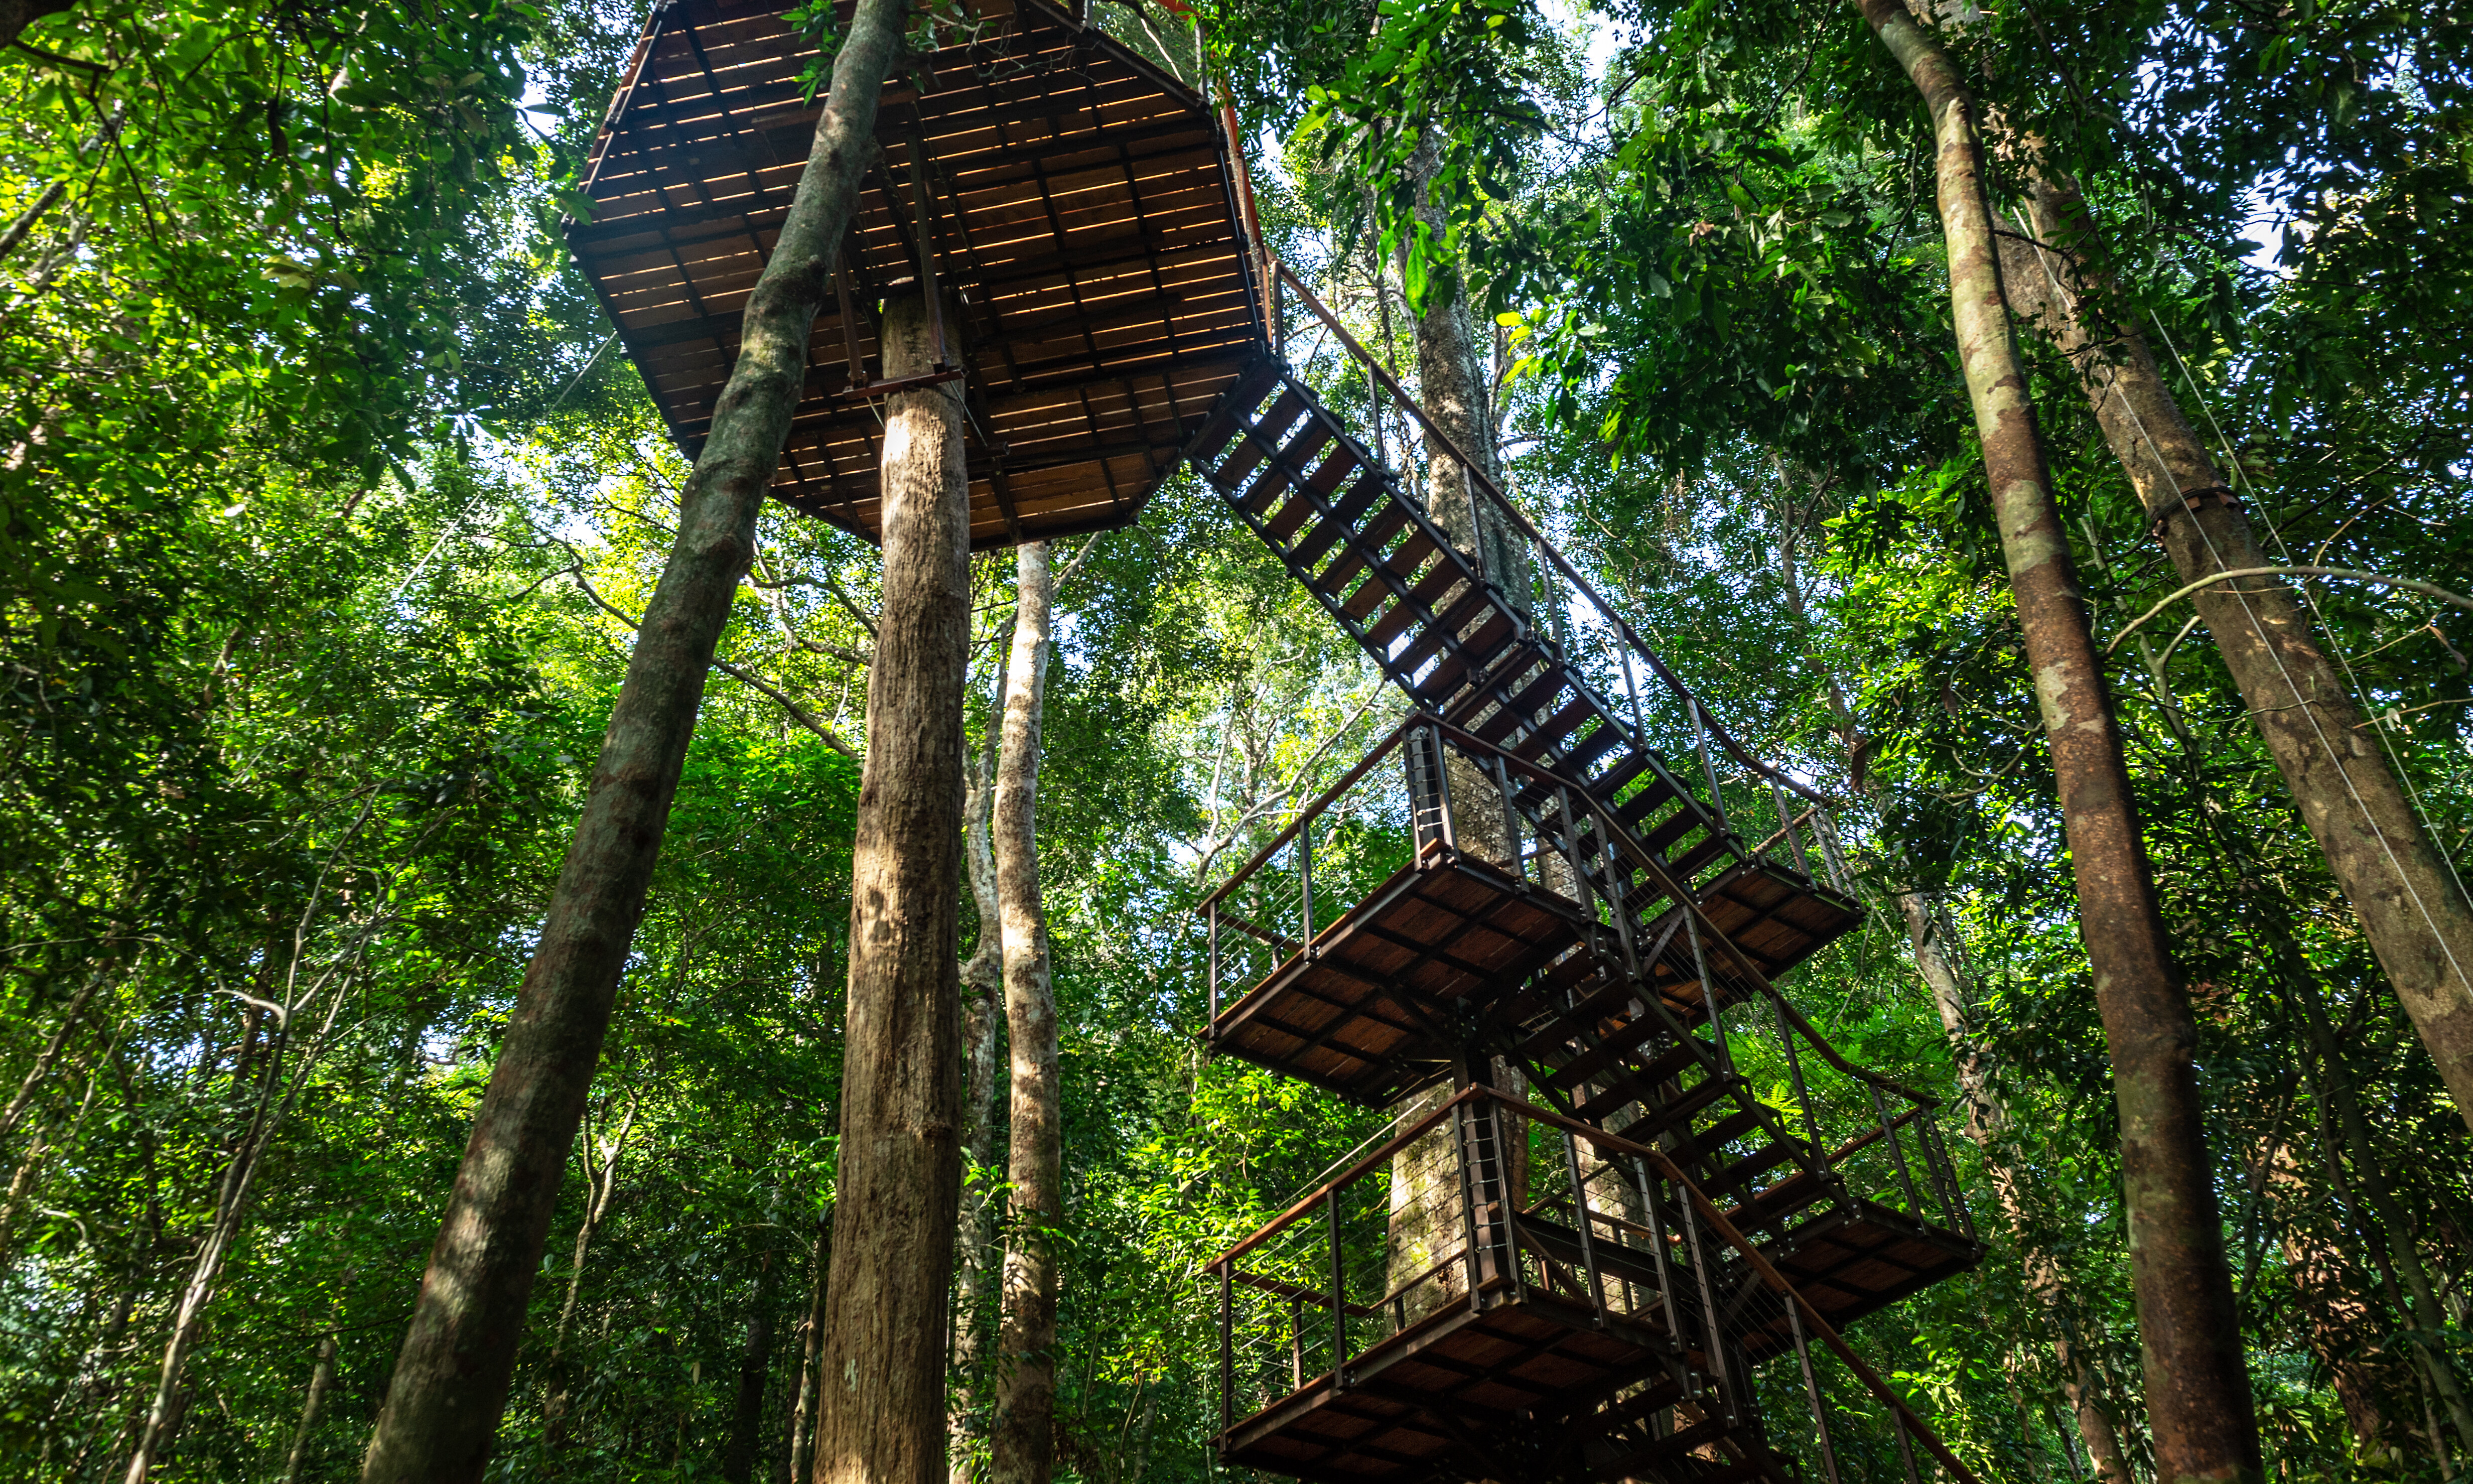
(1079, 209)
(1429, 1399)
(1855, 1259)
(1364, 1014)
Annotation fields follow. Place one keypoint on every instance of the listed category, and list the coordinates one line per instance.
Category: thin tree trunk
(982, 993)
(2198, 1394)
(2338, 1316)
(450, 1379)
(321, 1376)
(881, 1418)
(2413, 909)
(1024, 1448)
(755, 1367)
(811, 1344)
(1986, 1113)
(51, 1052)
(601, 1184)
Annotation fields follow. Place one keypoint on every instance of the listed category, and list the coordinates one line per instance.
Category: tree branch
(2409, 585)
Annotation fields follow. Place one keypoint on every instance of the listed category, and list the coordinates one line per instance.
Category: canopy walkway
(1589, 1286)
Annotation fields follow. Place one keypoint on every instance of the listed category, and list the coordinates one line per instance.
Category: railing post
(1657, 1252)
(1795, 1073)
(1715, 1339)
(1786, 827)
(1618, 873)
(1709, 1000)
(1464, 1157)
(1588, 1240)
(1622, 652)
(1511, 840)
(1338, 1295)
(1897, 1154)
(1944, 1175)
(1477, 528)
(1833, 853)
(1211, 916)
(1906, 1452)
(1812, 1391)
(1304, 889)
(1708, 767)
(1296, 1342)
(1227, 1350)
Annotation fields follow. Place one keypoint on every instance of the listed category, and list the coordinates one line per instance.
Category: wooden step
(1654, 1120)
(1665, 1451)
(1700, 1144)
(1333, 528)
(1211, 444)
(1747, 1169)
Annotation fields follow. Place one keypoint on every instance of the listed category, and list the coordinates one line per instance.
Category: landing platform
(1078, 206)
(1776, 915)
(1448, 1396)
(1369, 1010)
(1855, 1259)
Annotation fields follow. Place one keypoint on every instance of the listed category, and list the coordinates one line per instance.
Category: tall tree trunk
(755, 1368)
(982, 994)
(1455, 390)
(2197, 1395)
(276, 1094)
(450, 1379)
(321, 1376)
(2413, 909)
(1987, 1114)
(1025, 1441)
(881, 1413)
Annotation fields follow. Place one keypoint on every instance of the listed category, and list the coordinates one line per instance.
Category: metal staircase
(1598, 1274)
(1728, 1185)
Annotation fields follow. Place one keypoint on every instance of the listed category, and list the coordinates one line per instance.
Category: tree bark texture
(1986, 1114)
(1455, 390)
(16, 15)
(1024, 1450)
(982, 996)
(2412, 907)
(881, 1414)
(2198, 1394)
(755, 1368)
(451, 1376)
(321, 1376)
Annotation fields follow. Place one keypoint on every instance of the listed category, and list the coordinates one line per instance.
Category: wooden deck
(1375, 1006)
(1451, 1396)
(1857, 1258)
(1078, 207)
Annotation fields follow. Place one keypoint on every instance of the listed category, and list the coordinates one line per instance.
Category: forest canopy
(334, 513)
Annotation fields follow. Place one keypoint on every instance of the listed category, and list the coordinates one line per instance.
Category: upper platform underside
(1079, 217)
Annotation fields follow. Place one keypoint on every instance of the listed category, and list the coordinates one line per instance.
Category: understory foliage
(326, 506)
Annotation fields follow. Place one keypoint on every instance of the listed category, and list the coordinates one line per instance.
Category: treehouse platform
(1560, 866)
(1072, 200)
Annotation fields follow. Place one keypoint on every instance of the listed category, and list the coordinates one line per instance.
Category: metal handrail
(1305, 815)
(1307, 1203)
(1631, 848)
(1708, 1212)
(1522, 526)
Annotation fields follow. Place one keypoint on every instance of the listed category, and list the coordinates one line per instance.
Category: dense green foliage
(324, 505)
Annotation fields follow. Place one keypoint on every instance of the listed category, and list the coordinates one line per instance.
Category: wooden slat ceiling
(1082, 215)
